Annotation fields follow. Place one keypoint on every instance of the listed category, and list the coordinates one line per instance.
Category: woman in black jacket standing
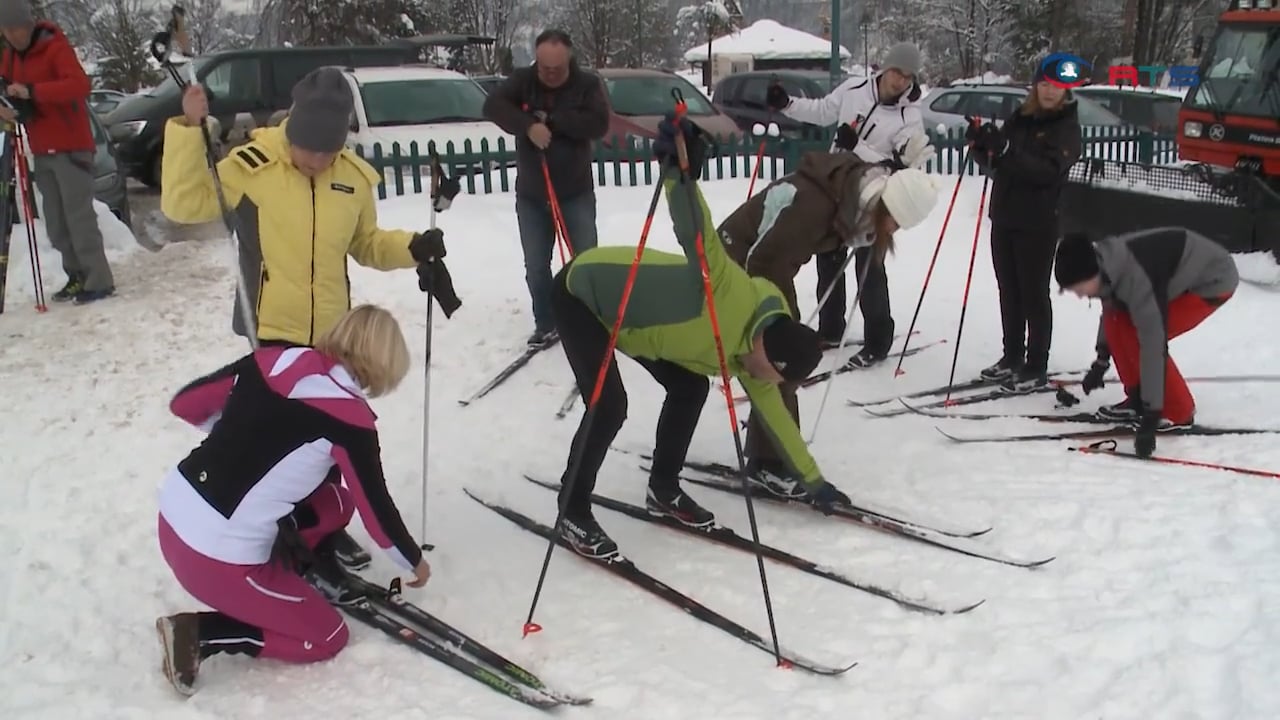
(1028, 159)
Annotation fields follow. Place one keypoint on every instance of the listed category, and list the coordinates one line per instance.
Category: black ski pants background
(1023, 263)
(877, 318)
(585, 339)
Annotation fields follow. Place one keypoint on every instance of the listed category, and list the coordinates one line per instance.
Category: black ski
(628, 571)
(390, 599)
(1080, 417)
(826, 374)
(733, 483)
(1115, 431)
(569, 401)
(879, 522)
(726, 536)
(966, 386)
(958, 401)
(521, 360)
(368, 610)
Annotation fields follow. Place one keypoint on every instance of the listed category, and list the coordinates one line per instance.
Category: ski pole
(7, 188)
(161, 44)
(826, 294)
(964, 161)
(426, 371)
(686, 178)
(765, 131)
(579, 446)
(1108, 447)
(560, 230)
(835, 356)
(964, 304)
(29, 221)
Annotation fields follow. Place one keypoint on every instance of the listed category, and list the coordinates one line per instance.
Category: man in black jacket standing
(555, 110)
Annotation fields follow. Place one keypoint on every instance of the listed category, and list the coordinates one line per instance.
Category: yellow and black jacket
(295, 232)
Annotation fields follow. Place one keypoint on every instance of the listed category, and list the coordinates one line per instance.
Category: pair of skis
(386, 609)
(629, 571)
(506, 372)
(719, 476)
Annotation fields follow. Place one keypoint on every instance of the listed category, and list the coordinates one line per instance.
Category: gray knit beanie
(321, 112)
(905, 57)
(16, 13)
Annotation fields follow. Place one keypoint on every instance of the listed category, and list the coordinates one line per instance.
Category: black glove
(427, 246)
(1093, 378)
(991, 141)
(777, 98)
(1144, 442)
(447, 190)
(664, 147)
(973, 128)
(846, 137)
(825, 495)
(434, 279)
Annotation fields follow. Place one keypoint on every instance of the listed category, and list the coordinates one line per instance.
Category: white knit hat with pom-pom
(909, 195)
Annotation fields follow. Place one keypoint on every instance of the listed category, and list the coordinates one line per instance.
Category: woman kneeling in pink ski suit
(278, 420)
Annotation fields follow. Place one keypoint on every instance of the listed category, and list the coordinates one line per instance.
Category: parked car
(104, 101)
(109, 184)
(415, 103)
(945, 108)
(489, 82)
(638, 100)
(246, 88)
(1147, 108)
(741, 97)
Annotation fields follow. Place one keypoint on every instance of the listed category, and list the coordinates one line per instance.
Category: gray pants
(66, 183)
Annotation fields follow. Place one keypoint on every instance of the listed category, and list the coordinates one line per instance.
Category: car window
(237, 81)
(794, 87)
(753, 92)
(288, 68)
(947, 102)
(723, 90)
(422, 101)
(1089, 112)
(1165, 114)
(99, 132)
(651, 95)
(989, 105)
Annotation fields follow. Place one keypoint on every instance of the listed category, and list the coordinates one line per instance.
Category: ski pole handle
(682, 152)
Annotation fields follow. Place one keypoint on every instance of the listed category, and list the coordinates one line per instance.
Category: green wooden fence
(627, 162)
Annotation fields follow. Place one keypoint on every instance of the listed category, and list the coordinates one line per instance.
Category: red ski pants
(1185, 312)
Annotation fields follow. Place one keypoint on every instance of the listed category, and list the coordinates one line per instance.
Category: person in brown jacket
(829, 201)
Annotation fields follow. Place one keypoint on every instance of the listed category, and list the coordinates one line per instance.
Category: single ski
(879, 522)
(966, 386)
(521, 360)
(1108, 447)
(826, 375)
(727, 537)
(628, 571)
(1115, 431)
(733, 484)
(1079, 417)
(369, 611)
(390, 599)
(569, 401)
(959, 401)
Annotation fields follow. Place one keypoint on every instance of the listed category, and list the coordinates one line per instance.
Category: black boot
(1127, 410)
(1027, 380)
(180, 642)
(74, 286)
(1001, 371)
(348, 551)
(772, 477)
(586, 537)
(678, 506)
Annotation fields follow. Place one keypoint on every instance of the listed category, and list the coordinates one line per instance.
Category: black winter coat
(577, 115)
(1027, 179)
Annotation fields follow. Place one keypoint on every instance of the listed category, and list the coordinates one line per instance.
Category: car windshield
(169, 87)
(1091, 113)
(1240, 73)
(651, 95)
(422, 101)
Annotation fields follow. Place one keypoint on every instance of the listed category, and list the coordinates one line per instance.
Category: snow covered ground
(1161, 603)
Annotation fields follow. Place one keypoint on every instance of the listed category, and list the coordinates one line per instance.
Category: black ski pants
(877, 318)
(585, 340)
(1023, 262)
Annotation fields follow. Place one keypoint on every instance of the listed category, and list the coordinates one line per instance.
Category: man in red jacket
(48, 91)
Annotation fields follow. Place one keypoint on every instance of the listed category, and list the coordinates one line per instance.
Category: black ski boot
(865, 358)
(1026, 380)
(1000, 371)
(770, 476)
(326, 574)
(74, 286)
(678, 506)
(348, 551)
(586, 537)
(180, 641)
(1127, 410)
(542, 338)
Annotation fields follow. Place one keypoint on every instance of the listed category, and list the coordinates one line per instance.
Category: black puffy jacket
(1027, 179)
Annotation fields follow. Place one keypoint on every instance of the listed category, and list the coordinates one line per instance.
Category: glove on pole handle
(964, 161)
(426, 371)
(160, 49)
(835, 356)
(682, 154)
(964, 305)
(578, 448)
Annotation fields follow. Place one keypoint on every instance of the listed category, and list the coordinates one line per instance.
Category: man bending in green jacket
(667, 329)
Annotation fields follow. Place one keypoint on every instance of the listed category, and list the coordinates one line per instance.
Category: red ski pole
(1108, 447)
(561, 231)
(968, 283)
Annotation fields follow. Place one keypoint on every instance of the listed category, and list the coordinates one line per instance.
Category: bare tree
(595, 27)
(498, 19)
(120, 33)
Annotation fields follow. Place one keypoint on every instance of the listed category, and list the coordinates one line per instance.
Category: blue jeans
(538, 239)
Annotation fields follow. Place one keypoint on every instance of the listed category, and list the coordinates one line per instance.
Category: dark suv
(246, 88)
(741, 97)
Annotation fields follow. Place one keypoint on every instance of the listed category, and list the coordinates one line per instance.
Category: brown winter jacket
(813, 210)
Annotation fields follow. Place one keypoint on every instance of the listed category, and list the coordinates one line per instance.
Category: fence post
(1146, 147)
(415, 167)
(504, 181)
(381, 167)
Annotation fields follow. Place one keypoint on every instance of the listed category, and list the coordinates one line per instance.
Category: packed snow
(767, 40)
(1160, 604)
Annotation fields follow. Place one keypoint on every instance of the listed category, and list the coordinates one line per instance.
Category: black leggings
(877, 318)
(1023, 263)
(585, 340)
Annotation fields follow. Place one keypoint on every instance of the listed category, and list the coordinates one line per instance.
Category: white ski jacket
(882, 128)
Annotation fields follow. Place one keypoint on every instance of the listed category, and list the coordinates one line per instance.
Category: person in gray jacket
(1155, 285)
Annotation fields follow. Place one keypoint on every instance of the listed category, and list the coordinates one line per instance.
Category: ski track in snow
(1161, 603)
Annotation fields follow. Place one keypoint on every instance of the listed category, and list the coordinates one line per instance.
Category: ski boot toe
(679, 507)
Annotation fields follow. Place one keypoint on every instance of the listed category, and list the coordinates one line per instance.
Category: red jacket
(59, 91)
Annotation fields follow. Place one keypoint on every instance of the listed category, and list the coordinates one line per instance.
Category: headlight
(1193, 129)
(124, 130)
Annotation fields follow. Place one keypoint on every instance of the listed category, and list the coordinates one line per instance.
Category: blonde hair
(368, 342)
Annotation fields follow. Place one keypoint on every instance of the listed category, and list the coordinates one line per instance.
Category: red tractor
(1227, 182)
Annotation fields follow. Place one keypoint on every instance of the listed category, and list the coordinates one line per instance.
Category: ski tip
(968, 608)
(1030, 564)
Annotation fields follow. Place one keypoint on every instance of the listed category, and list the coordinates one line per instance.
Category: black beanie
(793, 348)
(321, 112)
(1076, 260)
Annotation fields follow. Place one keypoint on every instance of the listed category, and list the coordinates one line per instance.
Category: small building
(764, 45)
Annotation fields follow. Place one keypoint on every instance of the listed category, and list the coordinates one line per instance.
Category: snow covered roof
(767, 39)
